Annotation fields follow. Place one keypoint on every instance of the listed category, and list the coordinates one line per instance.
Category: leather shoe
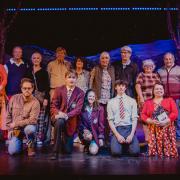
(54, 156)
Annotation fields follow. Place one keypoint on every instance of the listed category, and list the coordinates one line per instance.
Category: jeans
(116, 147)
(178, 120)
(15, 144)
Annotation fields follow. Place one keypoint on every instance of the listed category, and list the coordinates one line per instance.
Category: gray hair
(105, 52)
(148, 62)
(126, 48)
(169, 53)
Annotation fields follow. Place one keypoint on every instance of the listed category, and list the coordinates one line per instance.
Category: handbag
(38, 94)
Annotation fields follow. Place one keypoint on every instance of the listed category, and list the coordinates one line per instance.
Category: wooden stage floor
(81, 164)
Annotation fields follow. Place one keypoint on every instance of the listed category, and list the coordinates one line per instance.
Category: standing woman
(160, 113)
(102, 80)
(92, 123)
(83, 75)
(3, 82)
(41, 81)
(144, 85)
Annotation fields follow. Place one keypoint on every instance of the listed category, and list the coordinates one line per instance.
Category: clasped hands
(164, 123)
(61, 115)
(88, 137)
(122, 140)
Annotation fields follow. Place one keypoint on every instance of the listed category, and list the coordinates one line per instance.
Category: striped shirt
(171, 81)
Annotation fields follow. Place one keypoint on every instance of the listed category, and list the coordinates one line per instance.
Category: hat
(126, 48)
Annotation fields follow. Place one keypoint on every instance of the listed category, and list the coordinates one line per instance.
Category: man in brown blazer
(66, 106)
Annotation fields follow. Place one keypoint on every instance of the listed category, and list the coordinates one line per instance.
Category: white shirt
(13, 62)
(130, 107)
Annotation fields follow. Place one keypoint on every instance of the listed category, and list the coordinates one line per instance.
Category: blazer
(97, 123)
(72, 108)
(167, 103)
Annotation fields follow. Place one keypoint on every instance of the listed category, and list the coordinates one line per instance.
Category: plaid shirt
(147, 81)
(22, 113)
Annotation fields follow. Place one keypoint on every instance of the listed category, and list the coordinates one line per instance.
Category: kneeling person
(91, 129)
(66, 107)
(122, 117)
(22, 115)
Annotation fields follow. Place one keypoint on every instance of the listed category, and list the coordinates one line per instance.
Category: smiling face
(148, 69)
(104, 59)
(17, 53)
(168, 60)
(36, 59)
(91, 97)
(158, 90)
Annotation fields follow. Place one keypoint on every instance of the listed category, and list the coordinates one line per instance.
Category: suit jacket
(97, 123)
(72, 108)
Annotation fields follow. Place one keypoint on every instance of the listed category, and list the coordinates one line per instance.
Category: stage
(80, 164)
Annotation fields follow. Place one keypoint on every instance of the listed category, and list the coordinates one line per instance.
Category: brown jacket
(96, 79)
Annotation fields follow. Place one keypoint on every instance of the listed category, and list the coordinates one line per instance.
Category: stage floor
(82, 164)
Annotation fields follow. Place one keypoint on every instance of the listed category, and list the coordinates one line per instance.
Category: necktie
(121, 109)
(69, 94)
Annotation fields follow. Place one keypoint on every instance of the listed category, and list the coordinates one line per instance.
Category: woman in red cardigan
(160, 113)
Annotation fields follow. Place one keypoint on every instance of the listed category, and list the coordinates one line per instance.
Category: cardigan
(167, 103)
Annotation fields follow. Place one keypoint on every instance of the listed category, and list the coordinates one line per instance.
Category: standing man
(22, 114)
(122, 117)
(170, 77)
(16, 70)
(127, 70)
(57, 70)
(66, 107)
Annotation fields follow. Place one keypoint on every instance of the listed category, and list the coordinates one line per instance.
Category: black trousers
(62, 142)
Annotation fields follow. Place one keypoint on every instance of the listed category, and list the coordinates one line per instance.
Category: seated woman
(91, 129)
(160, 113)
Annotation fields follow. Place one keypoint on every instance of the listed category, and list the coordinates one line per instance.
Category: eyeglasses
(26, 88)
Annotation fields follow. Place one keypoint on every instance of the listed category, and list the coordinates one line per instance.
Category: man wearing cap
(57, 70)
(126, 70)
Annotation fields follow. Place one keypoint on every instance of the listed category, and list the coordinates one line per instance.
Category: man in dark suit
(66, 106)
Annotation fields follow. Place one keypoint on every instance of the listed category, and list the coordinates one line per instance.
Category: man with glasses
(127, 70)
(22, 114)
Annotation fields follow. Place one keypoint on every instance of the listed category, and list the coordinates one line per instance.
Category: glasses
(27, 88)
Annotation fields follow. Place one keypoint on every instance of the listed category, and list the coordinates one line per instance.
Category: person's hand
(101, 142)
(61, 115)
(141, 101)
(152, 121)
(1, 87)
(12, 125)
(10, 134)
(129, 139)
(165, 123)
(120, 139)
(45, 102)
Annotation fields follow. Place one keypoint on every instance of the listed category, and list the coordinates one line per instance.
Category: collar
(14, 62)
(123, 96)
(26, 101)
(168, 69)
(68, 88)
(127, 63)
(60, 62)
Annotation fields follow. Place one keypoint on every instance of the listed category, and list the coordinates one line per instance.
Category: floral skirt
(162, 141)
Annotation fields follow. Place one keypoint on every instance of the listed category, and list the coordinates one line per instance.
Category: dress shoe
(54, 156)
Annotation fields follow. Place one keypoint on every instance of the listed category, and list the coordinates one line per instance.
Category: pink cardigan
(167, 103)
